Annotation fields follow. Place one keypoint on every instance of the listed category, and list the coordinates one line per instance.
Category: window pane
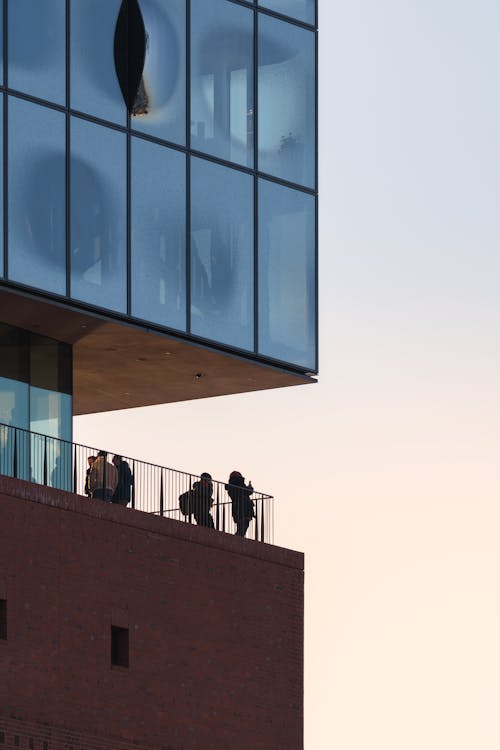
(222, 254)
(162, 100)
(1, 42)
(50, 415)
(14, 445)
(1, 185)
(37, 189)
(302, 10)
(287, 275)
(158, 234)
(222, 80)
(94, 85)
(37, 48)
(287, 120)
(98, 201)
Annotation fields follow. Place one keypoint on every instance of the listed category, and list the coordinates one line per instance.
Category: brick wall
(215, 629)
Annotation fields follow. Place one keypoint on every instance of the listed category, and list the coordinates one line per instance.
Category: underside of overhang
(118, 365)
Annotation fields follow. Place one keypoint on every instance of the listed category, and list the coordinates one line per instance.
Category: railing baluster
(154, 489)
(14, 468)
(161, 494)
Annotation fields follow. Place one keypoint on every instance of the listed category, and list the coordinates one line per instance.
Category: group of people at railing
(108, 481)
(112, 481)
(198, 501)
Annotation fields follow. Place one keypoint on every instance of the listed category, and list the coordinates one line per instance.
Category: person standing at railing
(103, 478)
(121, 495)
(241, 505)
(90, 461)
(202, 500)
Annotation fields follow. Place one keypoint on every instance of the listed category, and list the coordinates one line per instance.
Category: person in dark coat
(90, 461)
(241, 505)
(202, 500)
(121, 495)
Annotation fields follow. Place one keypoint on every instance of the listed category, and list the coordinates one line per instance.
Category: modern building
(158, 244)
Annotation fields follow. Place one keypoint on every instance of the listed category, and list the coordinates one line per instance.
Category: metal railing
(53, 462)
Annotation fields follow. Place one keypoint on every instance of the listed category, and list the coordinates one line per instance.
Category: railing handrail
(57, 462)
(95, 450)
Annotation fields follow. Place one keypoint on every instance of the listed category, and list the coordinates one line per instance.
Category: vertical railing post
(162, 501)
(14, 467)
(262, 526)
(74, 469)
(217, 511)
(257, 520)
(132, 488)
(45, 460)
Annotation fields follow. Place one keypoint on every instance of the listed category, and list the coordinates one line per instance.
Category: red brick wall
(215, 626)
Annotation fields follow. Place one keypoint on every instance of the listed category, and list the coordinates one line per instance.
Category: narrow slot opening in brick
(119, 646)
(3, 619)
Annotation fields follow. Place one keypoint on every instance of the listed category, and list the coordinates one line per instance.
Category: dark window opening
(119, 646)
(3, 619)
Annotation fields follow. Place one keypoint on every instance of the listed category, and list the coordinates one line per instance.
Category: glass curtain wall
(35, 395)
(185, 202)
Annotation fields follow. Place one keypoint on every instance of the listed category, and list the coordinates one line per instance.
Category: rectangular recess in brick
(3, 619)
(119, 646)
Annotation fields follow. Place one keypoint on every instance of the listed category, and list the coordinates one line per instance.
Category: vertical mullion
(256, 179)
(316, 201)
(188, 166)
(128, 215)
(68, 149)
(5, 142)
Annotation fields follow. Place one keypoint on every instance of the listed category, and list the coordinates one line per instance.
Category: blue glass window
(37, 189)
(287, 275)
(302, 10)
(94, 84)
(1, 42)
(98, 205)
(287, 120)
(158, 234)
(37, 48)
(222, 80)
(222, 266)
(161, 109)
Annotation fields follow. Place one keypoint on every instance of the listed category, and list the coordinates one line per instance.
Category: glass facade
(180, 194)
(35, 395)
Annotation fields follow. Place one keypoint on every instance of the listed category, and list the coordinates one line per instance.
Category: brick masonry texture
(215, 629)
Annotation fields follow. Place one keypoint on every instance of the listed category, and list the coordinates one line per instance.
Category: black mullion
(256, 181)
(5, 143)
(188, 166)
(280, 16)
(68, 149)
(128, 215)
(316, 205)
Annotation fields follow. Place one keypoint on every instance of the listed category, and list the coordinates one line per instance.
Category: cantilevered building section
(159, 244)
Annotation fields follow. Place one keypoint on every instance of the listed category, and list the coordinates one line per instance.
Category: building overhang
(120, 364)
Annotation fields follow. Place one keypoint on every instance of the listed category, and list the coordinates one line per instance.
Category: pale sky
(386, 472)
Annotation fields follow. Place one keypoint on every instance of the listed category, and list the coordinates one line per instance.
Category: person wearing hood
(241, 505)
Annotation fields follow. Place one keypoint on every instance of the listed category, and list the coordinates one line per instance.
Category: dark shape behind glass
(130, 54)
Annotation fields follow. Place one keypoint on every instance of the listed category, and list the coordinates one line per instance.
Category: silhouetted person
(201, 500)
(241, 505)
(103, 478)
(121, 495)
(90, 461)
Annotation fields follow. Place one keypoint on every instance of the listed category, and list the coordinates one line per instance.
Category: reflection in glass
(1, 42)
(98, 203)
(94, 85)
(287, 275)
(37, 189)
(302, 10)
(50, 417)
(287, 101)
(158, 234)
(37, 48)
(222, 80)
(221, 254)
(14, 447)
(163, 89)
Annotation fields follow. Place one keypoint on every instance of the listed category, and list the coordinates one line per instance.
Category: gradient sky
(386, 472)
